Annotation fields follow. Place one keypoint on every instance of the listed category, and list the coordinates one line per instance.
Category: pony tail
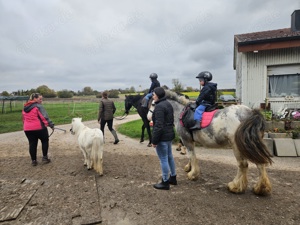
(249, 139)
(97, 152)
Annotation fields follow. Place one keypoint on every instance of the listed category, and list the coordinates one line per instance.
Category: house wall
(251, 76)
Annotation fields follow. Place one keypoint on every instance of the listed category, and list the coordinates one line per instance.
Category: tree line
(88, 91)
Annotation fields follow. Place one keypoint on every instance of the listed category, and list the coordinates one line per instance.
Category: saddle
(186, 117)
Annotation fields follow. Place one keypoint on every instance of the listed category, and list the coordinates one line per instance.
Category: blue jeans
(199, 112)
(148, 96)
(164, 152)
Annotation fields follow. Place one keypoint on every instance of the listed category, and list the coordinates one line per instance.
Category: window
(284, 85)
(284, 81)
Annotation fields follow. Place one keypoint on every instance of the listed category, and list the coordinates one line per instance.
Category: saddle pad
(207, 118)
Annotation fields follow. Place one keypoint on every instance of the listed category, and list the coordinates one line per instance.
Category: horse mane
(135, 98)
(174, 96)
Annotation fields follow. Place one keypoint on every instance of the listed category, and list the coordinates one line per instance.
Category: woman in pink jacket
(35, 123)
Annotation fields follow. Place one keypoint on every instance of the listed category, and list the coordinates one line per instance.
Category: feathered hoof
(187, 168)
(262, 190)
(232, 187)
(192, 176)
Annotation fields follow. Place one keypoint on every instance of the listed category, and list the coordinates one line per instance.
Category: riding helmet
(153, 76)
(206, 75)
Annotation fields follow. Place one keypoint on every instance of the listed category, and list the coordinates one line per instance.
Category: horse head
(75, 124)
(128, 103)
(132, 100)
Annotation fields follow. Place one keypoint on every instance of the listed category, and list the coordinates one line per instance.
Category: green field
(60, 112)
(193, 95)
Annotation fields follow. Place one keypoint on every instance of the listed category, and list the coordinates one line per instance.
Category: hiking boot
(164, 185)
(172, 180)
(197, 126)
(34, 163)
(46, 160)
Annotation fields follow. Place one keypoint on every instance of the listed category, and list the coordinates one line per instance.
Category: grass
(133, 129)
(59, 112)
(62, 113)
(194, 94)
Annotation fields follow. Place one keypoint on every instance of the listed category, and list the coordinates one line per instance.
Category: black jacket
(163, 122)
(154, 84)
(207, 95)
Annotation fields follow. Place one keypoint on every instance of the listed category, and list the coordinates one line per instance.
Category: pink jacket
(35, 117)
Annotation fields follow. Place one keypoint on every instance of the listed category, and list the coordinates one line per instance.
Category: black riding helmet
(205, 75)
(153, 76)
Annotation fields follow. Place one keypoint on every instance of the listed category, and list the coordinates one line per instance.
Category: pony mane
(174, 96)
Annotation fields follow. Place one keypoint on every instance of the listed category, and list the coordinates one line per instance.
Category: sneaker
(34, 163)
(46, 159)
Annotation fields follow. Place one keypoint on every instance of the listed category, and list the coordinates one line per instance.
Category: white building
(267, 67)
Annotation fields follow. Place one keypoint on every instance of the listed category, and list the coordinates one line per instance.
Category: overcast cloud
(106, 45)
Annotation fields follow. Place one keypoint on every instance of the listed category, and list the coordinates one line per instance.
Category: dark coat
(163, 122)
(106, 109)
(154, 84)
(207, 95)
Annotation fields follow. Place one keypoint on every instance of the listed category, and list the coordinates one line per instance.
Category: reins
(121, 117)
(57, 129)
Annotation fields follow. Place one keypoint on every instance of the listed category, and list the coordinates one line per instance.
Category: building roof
(266, 36)
(266, 40)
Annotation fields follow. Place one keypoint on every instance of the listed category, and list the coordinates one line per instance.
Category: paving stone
(297, 146)
(270, 145)
(284, 147)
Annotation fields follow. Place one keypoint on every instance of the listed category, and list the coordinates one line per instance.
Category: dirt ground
(64, 192)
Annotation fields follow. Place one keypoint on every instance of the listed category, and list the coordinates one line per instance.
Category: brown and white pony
(237, 126)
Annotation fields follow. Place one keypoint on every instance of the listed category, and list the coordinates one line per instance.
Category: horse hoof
(141, 141)
(234, 189)
(187, 168)
(192, 177)
(263, 191)
(149, 145)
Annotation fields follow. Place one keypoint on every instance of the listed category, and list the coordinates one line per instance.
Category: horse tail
(249, 139)
(97, 151)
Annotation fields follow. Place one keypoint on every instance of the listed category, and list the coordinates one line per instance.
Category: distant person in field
(106, 113)
(35, 123)
(154, 84)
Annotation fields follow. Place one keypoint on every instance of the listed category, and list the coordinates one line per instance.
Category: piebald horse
(237, 126)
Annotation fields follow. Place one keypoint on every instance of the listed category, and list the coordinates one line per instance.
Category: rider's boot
(144, 103)
(197, 126)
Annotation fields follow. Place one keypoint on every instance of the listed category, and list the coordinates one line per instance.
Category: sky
(72, 44)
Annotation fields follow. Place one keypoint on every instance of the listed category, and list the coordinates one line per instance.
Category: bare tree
(178, 87)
